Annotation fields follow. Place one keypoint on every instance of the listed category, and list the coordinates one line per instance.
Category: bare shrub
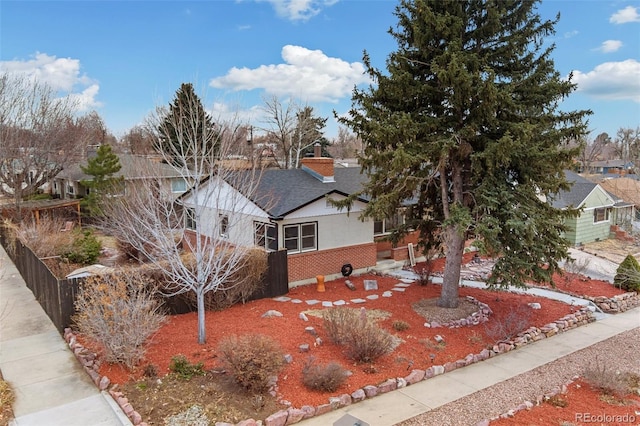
(576, 267)
(514, 322)
(252, 360)
(607, 381)
(45, 238)
(120, 313)
(364, 340)
(240, 284)
(424, 273)
(336, 323)
(326, 378)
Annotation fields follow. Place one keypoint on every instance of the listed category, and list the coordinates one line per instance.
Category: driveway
(591, 265)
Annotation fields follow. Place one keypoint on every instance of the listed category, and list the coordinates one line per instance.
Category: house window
(265, 235)
(301, 237)
(178, 185)
(600, 215)
(69, 189)
(190, 219)
(224, 225)
(386, 226)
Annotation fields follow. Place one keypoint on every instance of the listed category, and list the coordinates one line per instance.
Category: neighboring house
(292, 211)
(627, 189)
(600, 210)
(134, 168)
(610, 167)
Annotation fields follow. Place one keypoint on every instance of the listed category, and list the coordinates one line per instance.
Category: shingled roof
(281, 192)
(580, 190)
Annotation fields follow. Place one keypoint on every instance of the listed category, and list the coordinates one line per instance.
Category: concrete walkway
(50, 387)
(402, 404)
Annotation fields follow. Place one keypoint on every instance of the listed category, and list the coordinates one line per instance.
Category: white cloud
(61, 74)
(611, 80)
(609, 46)
(86, 100)
(299, 10)
(306, 74)
(623, 16)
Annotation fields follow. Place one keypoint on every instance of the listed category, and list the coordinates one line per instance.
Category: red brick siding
(308, 265)
(401, 247)
(323, 166)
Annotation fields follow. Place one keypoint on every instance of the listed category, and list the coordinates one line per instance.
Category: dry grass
(120, 313)
(362, 338)
(606, 380)
(6, 401)
(46, 238)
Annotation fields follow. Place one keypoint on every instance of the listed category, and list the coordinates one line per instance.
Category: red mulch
(584, 405)
(179, 334)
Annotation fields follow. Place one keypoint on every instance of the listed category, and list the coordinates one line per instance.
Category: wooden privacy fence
(57, 296)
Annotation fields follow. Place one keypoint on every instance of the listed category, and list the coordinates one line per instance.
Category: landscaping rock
(271, 313)
(277, 419)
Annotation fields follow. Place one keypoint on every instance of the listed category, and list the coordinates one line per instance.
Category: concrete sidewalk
(50, 386)
(402, 404)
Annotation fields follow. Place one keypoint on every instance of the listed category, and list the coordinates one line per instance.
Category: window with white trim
(301, 237)
(600, 215)
(265, 235)
(387, 225)
(190, 218)
(224, 225)
(178, 185)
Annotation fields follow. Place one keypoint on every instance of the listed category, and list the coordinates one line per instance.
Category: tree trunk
(202, 336)
(454, 248)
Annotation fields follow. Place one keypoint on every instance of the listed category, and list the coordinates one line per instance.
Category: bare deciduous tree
(39, 135)
(346, 144)
(138, 140)
(627, 144)
(593, 151)
(281, 124)
(199, 242)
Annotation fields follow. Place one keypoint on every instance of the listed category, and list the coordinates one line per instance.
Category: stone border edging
(91, 365)
(479, 317)
(618, 303)
(528, 405)
(293, 415)
(610, 305)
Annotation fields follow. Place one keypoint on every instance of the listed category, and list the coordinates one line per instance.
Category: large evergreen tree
(466, 124)
(102, 168)
(186, 123)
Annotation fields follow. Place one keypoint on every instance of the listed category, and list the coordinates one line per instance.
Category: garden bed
(418, 350)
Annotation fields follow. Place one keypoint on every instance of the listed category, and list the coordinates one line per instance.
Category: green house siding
(584, 228)
(597, 198)
(586, 231)
(570, 235)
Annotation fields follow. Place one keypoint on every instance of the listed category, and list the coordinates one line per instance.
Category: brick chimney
(317, 166)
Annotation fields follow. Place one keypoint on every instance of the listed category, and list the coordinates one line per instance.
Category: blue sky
(124, 58)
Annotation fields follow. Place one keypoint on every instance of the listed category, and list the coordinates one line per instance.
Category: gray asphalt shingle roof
(580, 190)
(132, 167)
(281, 192)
